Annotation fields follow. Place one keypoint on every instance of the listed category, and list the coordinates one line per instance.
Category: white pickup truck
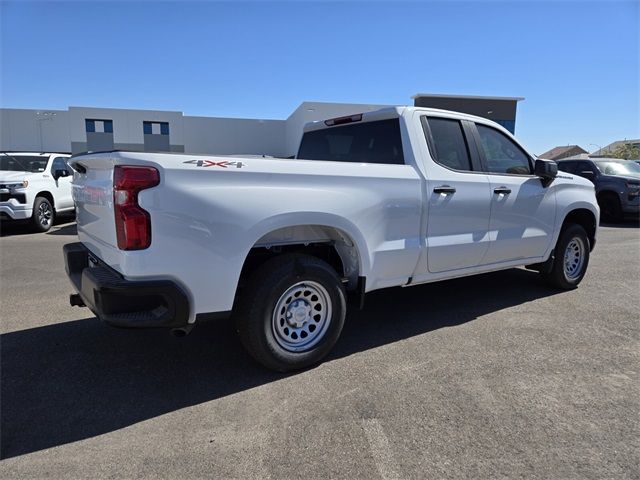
(34, 187)
(396, 197)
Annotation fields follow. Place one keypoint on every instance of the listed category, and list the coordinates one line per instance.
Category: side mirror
(60, 173)
(546, 170)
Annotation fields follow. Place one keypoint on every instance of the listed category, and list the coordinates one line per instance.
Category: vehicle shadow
(75, 380)
(626, 223)
(67, 229)
(23, 227)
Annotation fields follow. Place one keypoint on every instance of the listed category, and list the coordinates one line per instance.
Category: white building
(81, 129)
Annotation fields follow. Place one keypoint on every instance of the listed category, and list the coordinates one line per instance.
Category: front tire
(291, 312)
(43, 215)
(571, 258)
(611, 208)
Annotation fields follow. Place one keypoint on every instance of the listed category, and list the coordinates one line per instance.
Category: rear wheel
(610, 205)
(291, 312)
(43, 215)
(571, 258)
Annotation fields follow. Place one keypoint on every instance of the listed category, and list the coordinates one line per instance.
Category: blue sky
(576, 62)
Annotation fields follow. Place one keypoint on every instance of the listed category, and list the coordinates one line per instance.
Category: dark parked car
(617, 184)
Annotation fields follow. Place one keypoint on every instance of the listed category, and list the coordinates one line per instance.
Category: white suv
(35, 187)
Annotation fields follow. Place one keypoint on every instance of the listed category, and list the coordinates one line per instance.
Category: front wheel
(291, 312)
(611, 208)
(43, 215)
(571, 258)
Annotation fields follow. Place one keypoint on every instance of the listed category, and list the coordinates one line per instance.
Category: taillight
(133, 223)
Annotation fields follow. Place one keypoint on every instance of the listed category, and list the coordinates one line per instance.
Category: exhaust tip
(179, 332)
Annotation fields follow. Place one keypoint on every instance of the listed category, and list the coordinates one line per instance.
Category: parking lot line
(380, 448)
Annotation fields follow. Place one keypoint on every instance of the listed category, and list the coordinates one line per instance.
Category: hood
(573, 178)
(626, 178)
(11, 176)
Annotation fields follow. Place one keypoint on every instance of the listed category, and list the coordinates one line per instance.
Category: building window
(155, 128)
(98, 126)
(156, 136)
(99, 134)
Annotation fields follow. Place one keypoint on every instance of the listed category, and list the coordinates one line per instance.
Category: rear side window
(449, 143)
(369, 142)
(585, 167)
(569, 167)
(501, 153)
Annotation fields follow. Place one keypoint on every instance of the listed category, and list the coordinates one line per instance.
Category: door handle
(504, 190)
(446, 189)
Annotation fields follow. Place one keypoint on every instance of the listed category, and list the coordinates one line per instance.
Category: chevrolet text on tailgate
(396, 197)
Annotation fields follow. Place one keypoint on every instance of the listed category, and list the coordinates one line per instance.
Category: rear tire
(571, 258)
(291, 312)
(610, 206)
(43, 215)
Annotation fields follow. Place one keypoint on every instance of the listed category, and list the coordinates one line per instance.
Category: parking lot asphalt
(482, 377)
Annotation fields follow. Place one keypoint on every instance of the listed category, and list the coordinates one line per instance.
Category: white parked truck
(34, 187)
(396, 197)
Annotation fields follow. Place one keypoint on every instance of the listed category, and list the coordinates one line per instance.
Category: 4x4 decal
(211, 163)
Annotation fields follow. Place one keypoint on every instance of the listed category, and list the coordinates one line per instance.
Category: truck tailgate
(93, 195)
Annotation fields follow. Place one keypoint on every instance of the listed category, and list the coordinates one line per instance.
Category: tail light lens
(133, 223)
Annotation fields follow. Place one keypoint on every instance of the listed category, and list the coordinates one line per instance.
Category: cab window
(501, 154)
(60, 163)
(449, 145)
(369, 142)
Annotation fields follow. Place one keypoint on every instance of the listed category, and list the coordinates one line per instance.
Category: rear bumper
(124, 303)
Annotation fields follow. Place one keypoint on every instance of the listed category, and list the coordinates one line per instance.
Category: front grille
(20, 197)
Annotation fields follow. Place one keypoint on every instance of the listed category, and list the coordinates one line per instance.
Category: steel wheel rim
(574, 258)
(301, 316)
(44, 214)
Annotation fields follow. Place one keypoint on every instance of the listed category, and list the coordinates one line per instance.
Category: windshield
(619, 168)
(23, 163)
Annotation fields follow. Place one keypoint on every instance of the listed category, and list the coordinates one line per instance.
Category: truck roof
(392, 112)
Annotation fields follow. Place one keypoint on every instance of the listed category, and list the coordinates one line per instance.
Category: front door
(522, 209)
(62, 193)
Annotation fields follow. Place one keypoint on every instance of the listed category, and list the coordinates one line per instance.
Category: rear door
(458, 199)
(522, 210)
(568, 166)
(586, 169)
